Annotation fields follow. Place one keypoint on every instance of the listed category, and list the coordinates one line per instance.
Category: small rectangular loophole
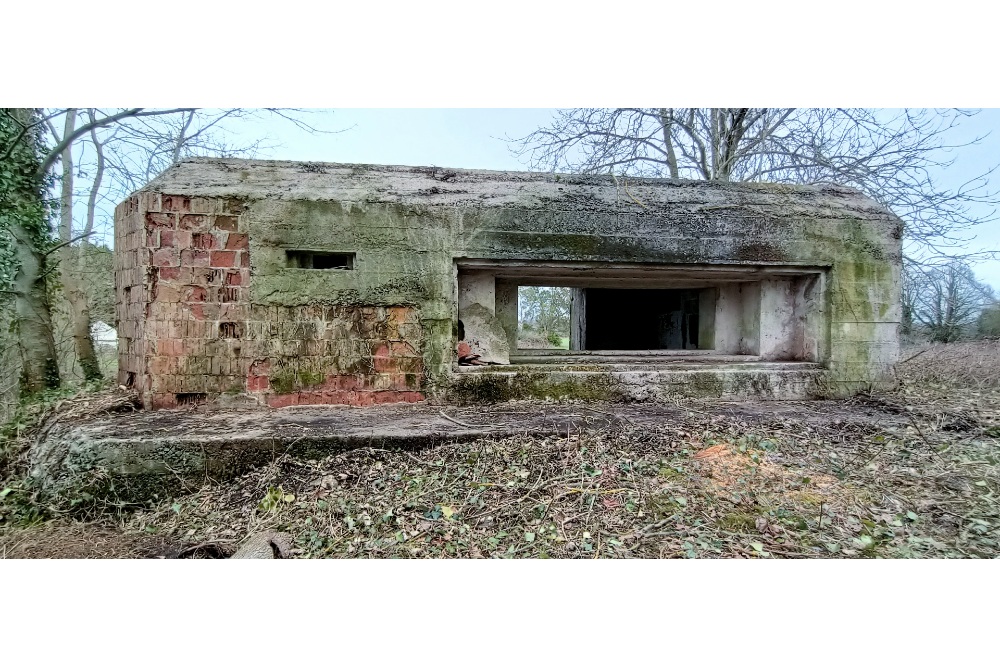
(308, 259)
(230, 330)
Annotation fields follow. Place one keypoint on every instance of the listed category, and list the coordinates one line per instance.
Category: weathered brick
(282, 400)
(175, 203)
(161, 220)
(402, 349)
(168, 272)
(222, 259)
(237, 242)
(410, 365)
(205, 241)
(166, 293)
(258, 383)
(175, 238)
(225, 223)
(164, 401)
(194, 222)
(196, 293)
(166, 257)
(195, 258)
(244, 259)
(203, 205)
(380, 397)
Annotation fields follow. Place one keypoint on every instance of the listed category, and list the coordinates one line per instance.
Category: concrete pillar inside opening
(506, 310)
(578, 319)
(707, 299)
(477, 310)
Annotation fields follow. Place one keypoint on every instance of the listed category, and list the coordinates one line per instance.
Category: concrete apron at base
(154, 455)
(764, 381)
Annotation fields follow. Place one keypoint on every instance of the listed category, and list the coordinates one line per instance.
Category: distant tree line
(945, 303)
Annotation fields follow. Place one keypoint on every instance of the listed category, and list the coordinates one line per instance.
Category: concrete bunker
(304, 283)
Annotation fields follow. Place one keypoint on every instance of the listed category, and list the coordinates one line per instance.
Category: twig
(609, 414)
(452, 419)
(914, 356)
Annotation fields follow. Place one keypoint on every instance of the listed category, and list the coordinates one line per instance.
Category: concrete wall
(214, 235)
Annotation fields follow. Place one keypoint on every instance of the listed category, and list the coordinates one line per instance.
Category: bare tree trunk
(39, 365)
(32, 321)
(666, 123)
(76, 297)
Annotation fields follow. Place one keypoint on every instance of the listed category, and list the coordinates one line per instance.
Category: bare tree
(116, 152)
(889, 155)
(945, 300)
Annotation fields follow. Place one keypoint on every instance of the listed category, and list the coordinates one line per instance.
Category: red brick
(166, 257)
(196, 293)
(195, 258)
(194, 222)
(397, 314)
(171, 347)
(234, 278)
(174, 203)
(205, 241)
(223, 259)
(237, 242)
(363, 399)
(204, 311)
(346, 382)
(380, 397)
(260, 367)
(170, 238)
(166, 293)
(412, 396)
(226, 223)
(258, 383)
(282, 400)
(161, 365)
(161, 220)
(168, 272)
(385, 365)
(245, 259)
(164, 401)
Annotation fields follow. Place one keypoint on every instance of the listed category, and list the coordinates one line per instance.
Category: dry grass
(972, 365)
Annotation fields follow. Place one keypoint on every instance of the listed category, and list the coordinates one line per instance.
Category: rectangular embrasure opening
(580, 312)
(309, 259)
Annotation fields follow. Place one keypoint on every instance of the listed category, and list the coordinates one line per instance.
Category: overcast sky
(475, 138)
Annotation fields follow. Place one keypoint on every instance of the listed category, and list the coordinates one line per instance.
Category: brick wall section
(337, 354)
(131, 292)
(189, 330)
